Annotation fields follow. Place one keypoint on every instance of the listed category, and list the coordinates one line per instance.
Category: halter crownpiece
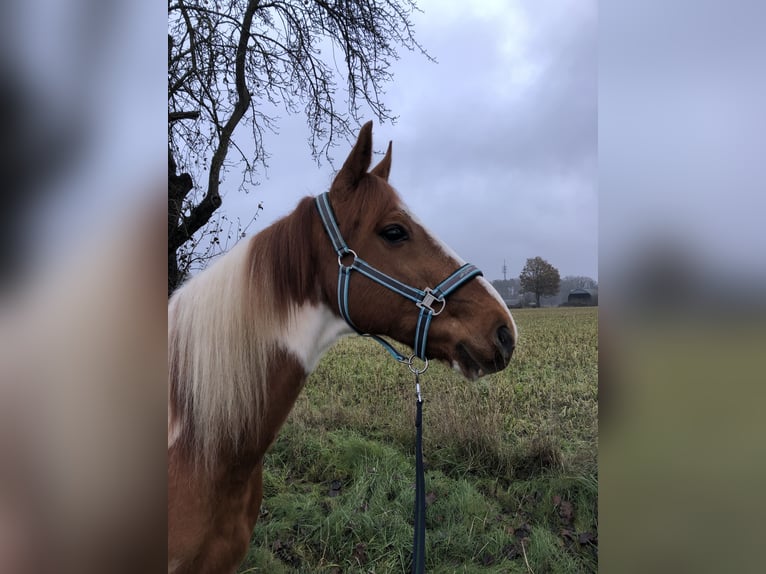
(431, 302)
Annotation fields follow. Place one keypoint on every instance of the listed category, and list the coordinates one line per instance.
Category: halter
(431, 302)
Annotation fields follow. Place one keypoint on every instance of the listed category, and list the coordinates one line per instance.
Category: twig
(525, 558)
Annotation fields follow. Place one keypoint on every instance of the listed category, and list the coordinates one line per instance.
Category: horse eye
(394, 234)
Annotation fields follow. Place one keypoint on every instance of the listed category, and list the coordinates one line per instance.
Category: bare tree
(233, 62)
(540, 277)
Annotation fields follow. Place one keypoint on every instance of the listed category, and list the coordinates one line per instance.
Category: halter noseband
(431, 302)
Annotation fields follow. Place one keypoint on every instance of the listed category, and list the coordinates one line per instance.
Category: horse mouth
(467, 364)
(473, 368)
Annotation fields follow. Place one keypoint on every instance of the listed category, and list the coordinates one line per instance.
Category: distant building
(582, 297)
(514, 302)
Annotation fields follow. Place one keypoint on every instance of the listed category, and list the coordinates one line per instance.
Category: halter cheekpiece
(431, 302)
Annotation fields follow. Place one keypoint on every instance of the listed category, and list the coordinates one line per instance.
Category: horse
(244, 335)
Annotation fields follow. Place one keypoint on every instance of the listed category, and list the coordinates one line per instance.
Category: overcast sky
(495, 148)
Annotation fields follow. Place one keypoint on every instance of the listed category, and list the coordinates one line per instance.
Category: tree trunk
(174, 274)
(178, 187)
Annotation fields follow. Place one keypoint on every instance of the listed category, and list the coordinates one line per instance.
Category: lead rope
(424, 299)
(419, 543)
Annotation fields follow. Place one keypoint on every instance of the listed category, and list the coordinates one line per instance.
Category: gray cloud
(495, 147)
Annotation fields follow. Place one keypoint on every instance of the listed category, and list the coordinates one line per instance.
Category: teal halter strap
(431, 302)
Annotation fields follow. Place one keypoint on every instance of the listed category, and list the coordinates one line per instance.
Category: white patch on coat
(446, 249)
(311, 330)
(174, 429)
(459, 261)
(493, 292)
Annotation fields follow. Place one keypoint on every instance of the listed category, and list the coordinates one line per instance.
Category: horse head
(471, 329)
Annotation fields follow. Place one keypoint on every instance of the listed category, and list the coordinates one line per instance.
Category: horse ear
(384, 167)
(358, 161)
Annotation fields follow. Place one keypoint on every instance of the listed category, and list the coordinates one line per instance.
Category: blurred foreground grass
(683, 455)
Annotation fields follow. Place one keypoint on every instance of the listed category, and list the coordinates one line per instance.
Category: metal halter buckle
(429, 299)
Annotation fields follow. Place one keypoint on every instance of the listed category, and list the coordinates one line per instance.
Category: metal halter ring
(344, 254)
(414, 369)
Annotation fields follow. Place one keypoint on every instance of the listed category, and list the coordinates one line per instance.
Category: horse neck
(294, 256)
(243, 337)
(283, 261)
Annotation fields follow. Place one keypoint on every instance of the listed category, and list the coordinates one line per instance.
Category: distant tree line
(539, 284)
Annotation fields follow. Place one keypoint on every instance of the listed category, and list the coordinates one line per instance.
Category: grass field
(511, 461)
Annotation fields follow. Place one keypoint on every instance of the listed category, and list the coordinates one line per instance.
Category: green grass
(511, 461)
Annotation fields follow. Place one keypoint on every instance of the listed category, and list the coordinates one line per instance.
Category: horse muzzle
(477, 360)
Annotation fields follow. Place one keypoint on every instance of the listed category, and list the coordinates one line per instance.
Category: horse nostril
(505, 341)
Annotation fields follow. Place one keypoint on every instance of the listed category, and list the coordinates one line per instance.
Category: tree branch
(233, 62)
(199, 216)
(212, 197)
(176, 116)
